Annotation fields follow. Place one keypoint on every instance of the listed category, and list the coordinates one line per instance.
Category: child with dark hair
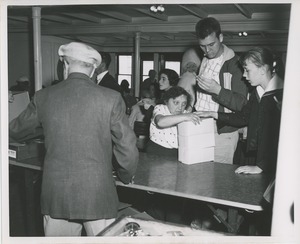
(167, 79)
(166, 116)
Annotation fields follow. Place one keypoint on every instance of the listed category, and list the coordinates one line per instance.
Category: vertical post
(137, 64)
(156, 64)
(36, 16)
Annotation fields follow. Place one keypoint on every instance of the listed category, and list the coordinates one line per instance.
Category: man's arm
(26, 124)
(234, 96)
(124, 138)
(234, 93)
(188, 81)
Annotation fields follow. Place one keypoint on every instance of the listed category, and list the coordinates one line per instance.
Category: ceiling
(117, 25)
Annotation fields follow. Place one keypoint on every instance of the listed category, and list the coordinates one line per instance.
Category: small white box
(189, 128)
(195, 155)
(199, 141)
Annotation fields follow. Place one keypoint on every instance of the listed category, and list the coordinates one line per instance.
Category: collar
(101, 75)
(228, 54)
(77, 75)
(274, 84)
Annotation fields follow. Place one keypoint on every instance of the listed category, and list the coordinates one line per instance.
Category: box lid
(189, 128)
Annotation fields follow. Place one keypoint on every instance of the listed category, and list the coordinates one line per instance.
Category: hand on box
(194, 117)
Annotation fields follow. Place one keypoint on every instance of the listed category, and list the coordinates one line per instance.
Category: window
(172, 61)
(125, 68)
(174, 65)
(147, 65)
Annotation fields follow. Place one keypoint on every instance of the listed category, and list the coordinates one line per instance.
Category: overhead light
(157, 8)
(243, 33)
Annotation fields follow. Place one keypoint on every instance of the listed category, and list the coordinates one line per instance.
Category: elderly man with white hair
(83, 125)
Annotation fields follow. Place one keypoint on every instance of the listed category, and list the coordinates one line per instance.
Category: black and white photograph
(149, 121)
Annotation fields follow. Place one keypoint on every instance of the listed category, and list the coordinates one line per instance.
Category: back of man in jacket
(83, 125)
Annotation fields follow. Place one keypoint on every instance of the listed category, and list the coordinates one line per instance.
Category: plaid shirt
(211, 70)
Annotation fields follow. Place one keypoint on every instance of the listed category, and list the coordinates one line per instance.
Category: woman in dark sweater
(262, 112)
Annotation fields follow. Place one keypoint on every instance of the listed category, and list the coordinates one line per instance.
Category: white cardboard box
(194, 155)
(199, 141)
(189, 128)
(196, 143)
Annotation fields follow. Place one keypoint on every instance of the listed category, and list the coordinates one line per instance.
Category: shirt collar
(100, 76)
(274, 84)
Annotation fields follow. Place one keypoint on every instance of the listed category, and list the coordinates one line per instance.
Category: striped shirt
(210, 69)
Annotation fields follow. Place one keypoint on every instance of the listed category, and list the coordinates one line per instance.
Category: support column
(36, 16)
(137, 64)
(156, 64)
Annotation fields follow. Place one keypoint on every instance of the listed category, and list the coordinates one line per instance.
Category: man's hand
(208, 85)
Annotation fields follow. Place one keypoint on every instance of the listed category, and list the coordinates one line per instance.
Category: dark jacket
(233, 94)
(109, 81)
(81, 122)
(262, 116)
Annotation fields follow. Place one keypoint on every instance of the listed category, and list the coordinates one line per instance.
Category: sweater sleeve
(238, 118)
(234, 93)
(26, 125)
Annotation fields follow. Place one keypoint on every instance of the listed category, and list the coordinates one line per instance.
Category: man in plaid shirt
(220, 85)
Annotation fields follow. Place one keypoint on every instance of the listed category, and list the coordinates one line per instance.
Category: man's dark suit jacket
(109, 82)
(81, 122)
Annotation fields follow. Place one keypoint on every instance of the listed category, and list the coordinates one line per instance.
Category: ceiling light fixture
(157, 8)
(243, 33)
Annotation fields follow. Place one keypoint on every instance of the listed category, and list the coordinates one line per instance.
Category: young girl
(262, 112)
(163, 127)
(167, 79)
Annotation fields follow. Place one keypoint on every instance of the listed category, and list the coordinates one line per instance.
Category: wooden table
(210, 182)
